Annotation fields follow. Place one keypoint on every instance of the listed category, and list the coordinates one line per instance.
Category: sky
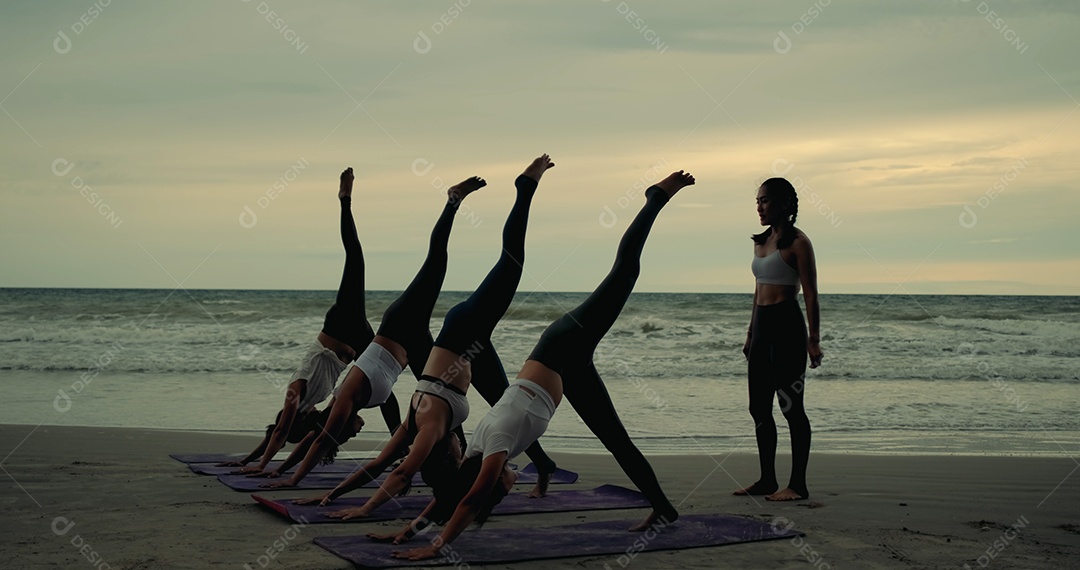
(198, 144)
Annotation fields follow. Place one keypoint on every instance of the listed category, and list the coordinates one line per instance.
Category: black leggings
(467, 327)
(346, 320)
(407, 320)
(568, 344)
(777, 365)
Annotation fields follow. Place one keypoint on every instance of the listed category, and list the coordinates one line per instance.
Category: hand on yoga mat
(279, 484)
(393, 537)
(321, 500)
(348, 514)
(267, 474)
(246, 470)
(230, 464)
(422, 553)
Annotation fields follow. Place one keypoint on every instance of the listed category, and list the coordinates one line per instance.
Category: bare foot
(787, 494)
(675, 182)
(653, 519)
(759, 488)
(542, 482)
(538, 167)
(345, 191)
(459, 191)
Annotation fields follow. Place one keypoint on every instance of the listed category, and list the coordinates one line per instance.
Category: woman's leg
(585, 391)
(407, 320)
(468, 325)
(347, 318)
(762, 388)
(790, 365)
(568, 345)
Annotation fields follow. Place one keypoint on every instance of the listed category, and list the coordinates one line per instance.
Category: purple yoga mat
(331, 480)
(605, 538)
(345, 466)
(220, 457)
(601, 498)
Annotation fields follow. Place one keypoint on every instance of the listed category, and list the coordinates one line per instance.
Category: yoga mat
(604, 497)
(605, 538)
(220, 457)
(345, 466)
(331, 480)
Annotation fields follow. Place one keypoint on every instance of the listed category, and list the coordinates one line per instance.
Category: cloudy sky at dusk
(935, 143)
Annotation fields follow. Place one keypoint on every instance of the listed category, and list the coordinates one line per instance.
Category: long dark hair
(450, 491)
(313, 421)
(782, 190)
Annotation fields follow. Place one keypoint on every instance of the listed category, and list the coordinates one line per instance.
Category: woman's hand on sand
(321, 500)
(813, 348)
(347, 514)
(393, 537)
(422, 553)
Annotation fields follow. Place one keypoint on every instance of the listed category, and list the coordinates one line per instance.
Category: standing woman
(777, 343)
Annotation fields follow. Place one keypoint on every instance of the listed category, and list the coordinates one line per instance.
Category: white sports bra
(773, 270)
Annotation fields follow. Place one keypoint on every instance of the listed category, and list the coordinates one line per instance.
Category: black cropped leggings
(346, 320)
(407, 321)
(467, 327)
(777, 366)
(568, 344)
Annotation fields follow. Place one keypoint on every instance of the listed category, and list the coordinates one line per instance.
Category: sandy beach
(121, 501)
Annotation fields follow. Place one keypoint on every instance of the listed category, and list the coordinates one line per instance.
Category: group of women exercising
(469, 480)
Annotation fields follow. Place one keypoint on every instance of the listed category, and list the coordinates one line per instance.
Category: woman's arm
(749, 328)
(289, 411)
(412, 529)
(372, 469)
(426, 438)
(339, 415)
(804, 251)
(250, 457)
(466, 510)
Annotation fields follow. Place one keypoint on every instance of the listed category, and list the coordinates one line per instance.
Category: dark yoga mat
(220, 457)
(605, 538)
(331, 480)
(345, 466)
(601, 498)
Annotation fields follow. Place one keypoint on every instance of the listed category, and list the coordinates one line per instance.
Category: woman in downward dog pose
(404, 338)
(439, 405)
(561, 364)
(777, 344)
(345, 333)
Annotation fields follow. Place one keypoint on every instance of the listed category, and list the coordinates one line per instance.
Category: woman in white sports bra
(561, 365)
(777, 343)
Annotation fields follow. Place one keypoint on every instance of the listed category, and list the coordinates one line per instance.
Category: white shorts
(382, 371)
